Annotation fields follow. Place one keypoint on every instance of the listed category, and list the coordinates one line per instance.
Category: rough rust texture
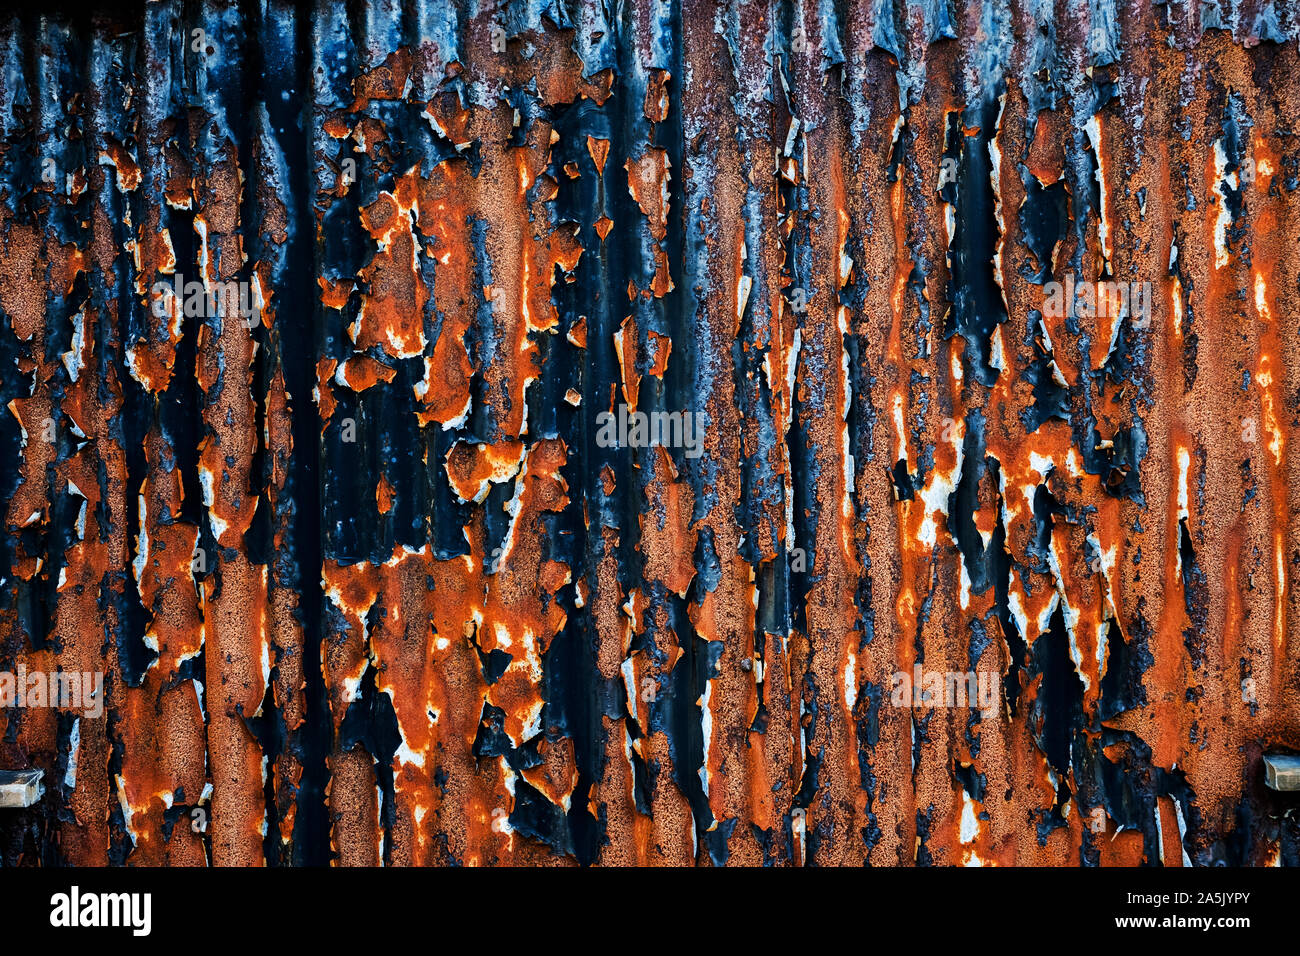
(366, 585)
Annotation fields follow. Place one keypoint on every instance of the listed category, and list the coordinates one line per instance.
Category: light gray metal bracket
(20, 788)
(1282, 771)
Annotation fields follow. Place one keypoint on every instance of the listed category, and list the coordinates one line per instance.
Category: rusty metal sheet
(662, 432)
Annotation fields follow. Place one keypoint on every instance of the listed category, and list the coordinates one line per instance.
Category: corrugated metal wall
(366, 584)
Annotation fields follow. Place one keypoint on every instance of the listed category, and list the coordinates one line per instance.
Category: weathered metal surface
(367, 584)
